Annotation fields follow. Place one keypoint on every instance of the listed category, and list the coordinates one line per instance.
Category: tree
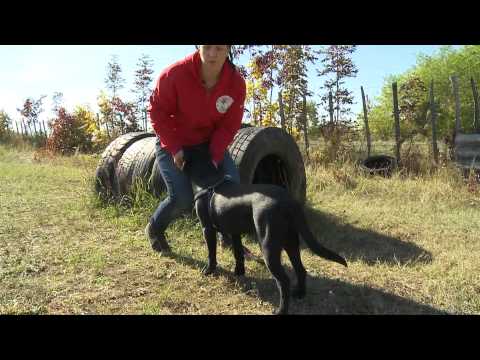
(282, 66)
(143, 79)
(337, 64)
(93, 137)
(5, 123)
(380, 115)
(293, 81)
(413, 106)
(259, 81)
(106, 114)
(263, 110)
(31, 110)
(68, 133)
(126, 115)
(312, 114)
(464, 62)
(114, 79)
(237, 50)
(57, 100)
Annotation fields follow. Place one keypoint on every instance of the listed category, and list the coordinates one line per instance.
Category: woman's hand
(178, 160)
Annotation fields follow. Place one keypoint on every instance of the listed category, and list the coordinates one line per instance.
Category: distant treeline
(413, 94)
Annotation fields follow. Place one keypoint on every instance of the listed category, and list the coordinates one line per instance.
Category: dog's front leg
(239, 255)
(210, 236)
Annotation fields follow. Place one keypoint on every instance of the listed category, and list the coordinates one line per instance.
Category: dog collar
(210, 191)
(212, 187)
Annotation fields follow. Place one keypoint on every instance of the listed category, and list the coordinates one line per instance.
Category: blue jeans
(179, 198)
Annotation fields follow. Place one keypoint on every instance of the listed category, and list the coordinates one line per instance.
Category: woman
(196, 100)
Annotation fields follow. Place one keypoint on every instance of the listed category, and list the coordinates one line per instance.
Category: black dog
(267, 211)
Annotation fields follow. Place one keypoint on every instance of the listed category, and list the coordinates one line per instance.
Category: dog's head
(199, 166)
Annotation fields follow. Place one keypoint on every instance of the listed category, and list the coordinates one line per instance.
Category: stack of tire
(263, 155)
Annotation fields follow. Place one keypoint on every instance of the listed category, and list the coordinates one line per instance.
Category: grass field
(412, 245)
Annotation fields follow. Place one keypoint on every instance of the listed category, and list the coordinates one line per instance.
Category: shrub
(98, 137)
(4, 125)
(68, 134)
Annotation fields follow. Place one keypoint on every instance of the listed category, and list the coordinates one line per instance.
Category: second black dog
(266, 211)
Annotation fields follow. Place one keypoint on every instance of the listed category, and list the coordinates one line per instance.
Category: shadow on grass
(198, 264)
(360, 244)
(327, 296)
(324, 296)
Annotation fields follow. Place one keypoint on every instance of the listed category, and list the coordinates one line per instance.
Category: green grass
(412, 244)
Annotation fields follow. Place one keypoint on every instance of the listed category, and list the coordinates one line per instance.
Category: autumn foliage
(69, 133)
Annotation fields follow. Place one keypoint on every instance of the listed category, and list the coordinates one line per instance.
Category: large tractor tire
(106, 182)
(136, 166)
(269, 155)
(262, 155)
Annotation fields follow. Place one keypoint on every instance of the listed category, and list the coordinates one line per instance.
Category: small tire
(382, 165)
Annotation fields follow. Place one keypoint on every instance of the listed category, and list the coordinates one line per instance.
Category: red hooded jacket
(183, 112)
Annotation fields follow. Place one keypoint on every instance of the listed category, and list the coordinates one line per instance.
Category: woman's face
(214, 56)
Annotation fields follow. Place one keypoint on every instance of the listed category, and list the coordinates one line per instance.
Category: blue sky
(78, 71)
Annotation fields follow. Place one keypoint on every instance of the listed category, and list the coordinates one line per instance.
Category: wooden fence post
(396, 115)
(458, 122)
(367, 129)
(476, 118)
(433, 113)
(26, 128)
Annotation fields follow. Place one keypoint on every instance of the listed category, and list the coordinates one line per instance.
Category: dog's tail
(301, 226)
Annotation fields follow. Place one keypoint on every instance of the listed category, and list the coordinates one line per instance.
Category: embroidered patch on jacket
(223, 103)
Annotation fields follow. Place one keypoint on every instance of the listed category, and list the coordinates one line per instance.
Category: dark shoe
(158, 242)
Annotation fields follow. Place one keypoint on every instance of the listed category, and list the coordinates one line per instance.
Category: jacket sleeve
(227, 127)
(162, 107)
